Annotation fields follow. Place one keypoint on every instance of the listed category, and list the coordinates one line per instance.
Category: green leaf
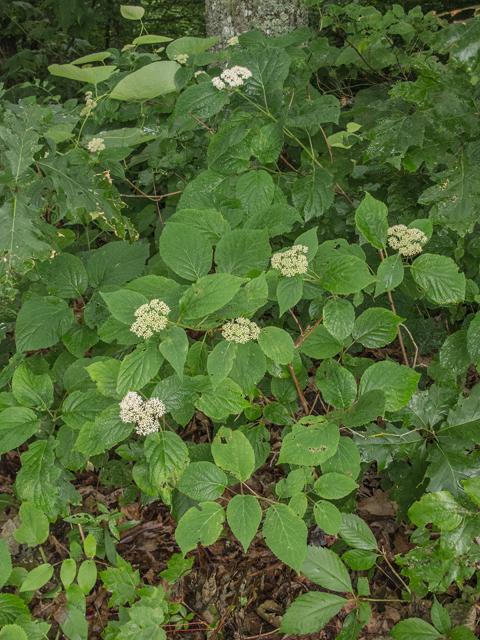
(87, 576)
(227, 398)
(32, 390)
(209, 222)
(116, 263)
(390, 274)
(269, 69)
(472, 489)
(186, 251)
(202, 481)
(71, 459)
(325, 568)
(346, 460)
(66, 277)
(462, 633)
(345, 274)
(244, 515)
(148, 82)
(414, 628)
(233, 452)
(17, 424)
(359, 559)
(440, 277)
(105, 374)
(473, 338)
(312, 197)
(79, 339)
(376, 327)
(201, 100)
(138, 368)
(202, 524)
(209, 294)
(289, 292)
(248, 367)
(167, 457)
(93, 75)
(13, 632)
(321, 344)
(255, 191)
(75, 625)
(334, 486)
(122, 581)
(6, 562)
(369, 406)
(21, 141)
(220, 361)
(175, 348)
(337, 385)
(338, 318)
(37, 577)
(41, 322)
(122, 304)
(311, 612)
(286, 535)
(356, 533)
(398, 382)
(454, 353)
(107, 431)
(309, 446)
(68, 571)
(440, 617)
(268, 142)
(130, 12)
(34, 528)
(190, 46)
(90, 546)
(35, 479)
(243, 250)
(463, 421)
(92, 57)
(81, 407)
(276, 344)
(371, 219)
(439, 508)
(151, 39)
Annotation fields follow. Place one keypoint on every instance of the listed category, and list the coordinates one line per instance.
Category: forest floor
(243, 596)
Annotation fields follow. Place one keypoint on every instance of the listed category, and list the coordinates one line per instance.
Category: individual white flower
(144, 414)
(233, 77)
(233, 41)
(181, 58)
(292, 261)
(408, 242)
(96, 144)
(197, 73)
(240, 331)
(151, 318)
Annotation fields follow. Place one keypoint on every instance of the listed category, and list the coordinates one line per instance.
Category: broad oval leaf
(234, 453)
(202, 481)
(311, 612)
(325, 568)
(244, 515)
(334, 486)
(202, 524)
(440, 277)
(286, 535)
(356, 533)
(148, 82)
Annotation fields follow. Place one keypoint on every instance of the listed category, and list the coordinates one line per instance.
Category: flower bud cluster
(292, 261)
(151, 317)
(197, 73)
(240, 331)
(181, 58)
(408, 242)
(144, 414)
(233, 77)
(233, 41)
(90, 104)
(96, 144)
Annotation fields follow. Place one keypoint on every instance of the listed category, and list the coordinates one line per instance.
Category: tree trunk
(228, 18)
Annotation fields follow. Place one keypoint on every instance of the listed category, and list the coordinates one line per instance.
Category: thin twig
(296, 170)
(328, 144)
(400, 339)
(81, 533)
(301, 339)
(158, 204)
(202, 123)
(296, 320)
(368, 65)
(291, 99)
(299, 391)
(414, 344)
(343, 193)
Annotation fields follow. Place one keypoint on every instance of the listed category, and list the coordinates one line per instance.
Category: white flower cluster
(96, 144)
(233, 77)
(181, 58)
(90, 104)
(197, 73)
(151, 317)
(233, 41)
(408, 242)
(144, 414)
(292, 261)
(241, 331)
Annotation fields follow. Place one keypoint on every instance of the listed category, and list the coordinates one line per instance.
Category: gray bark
(228, 18)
